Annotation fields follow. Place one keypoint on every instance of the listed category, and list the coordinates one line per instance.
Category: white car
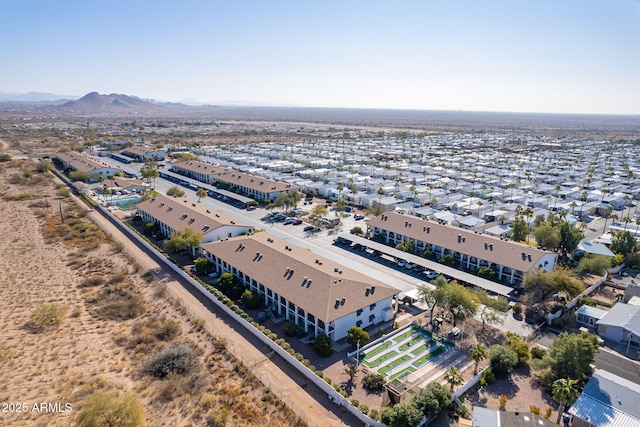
(402, 263)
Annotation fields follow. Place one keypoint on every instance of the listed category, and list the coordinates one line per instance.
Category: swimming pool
(125, 202)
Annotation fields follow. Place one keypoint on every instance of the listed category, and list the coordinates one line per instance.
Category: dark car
(308, 228)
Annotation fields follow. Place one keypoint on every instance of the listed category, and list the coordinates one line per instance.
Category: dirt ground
(95, 348)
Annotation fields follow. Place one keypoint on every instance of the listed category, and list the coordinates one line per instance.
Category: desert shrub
(355, 402)
(119, 301)
(177, 358)
(5, 157)
(373, 382)
(91, 282)
(463, 411)
(558, 323)
(63, 192)
(364, 409)
(45, 317)
(322, 345)
(517, 309)
(109, 409)
(373, 414)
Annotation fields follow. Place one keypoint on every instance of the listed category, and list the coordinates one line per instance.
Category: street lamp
(358, 354)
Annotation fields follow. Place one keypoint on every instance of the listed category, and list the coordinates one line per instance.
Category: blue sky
(556, 56)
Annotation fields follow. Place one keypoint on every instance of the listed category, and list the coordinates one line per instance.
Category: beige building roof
(123, 182)
(321, 287)
(482, 246)
(181, 213)
(200, 167)
(83, 163)
(255, 182)
(137, 149)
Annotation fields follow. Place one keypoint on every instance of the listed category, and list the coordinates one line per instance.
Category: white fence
(310, 375)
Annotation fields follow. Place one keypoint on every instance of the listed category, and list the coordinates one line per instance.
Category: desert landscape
(84, 324)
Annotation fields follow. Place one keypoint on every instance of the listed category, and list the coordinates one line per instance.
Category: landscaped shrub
(374, 414)
(290, 329)
(364, 409)
(355, 402)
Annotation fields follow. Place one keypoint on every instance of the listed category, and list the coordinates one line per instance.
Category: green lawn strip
(394, 364)
(424, 359)
(402, 373)
(379, 348)
(379, 360)
(404, 335)
(408, 344)
(420, 349)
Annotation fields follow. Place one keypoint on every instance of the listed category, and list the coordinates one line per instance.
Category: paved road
(308, 401)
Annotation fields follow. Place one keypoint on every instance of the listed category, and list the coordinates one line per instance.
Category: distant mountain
(33, 97)
(114, 103)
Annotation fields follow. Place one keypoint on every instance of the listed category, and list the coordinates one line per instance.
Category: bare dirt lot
(80, 316)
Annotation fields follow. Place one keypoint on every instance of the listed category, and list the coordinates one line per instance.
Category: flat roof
(488, 285)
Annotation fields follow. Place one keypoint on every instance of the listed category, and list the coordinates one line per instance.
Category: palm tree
(380, 193)
(352, 370)
(608, 211)
(564, 392)
(626, 220)
(454, 377)
(478, 352)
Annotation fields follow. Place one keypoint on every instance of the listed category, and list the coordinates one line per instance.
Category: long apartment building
(471, 249)
(79, 162)
(319, 295)
(177, 214)
(253, 186)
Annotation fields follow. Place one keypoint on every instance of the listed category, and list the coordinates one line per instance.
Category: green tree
(149, 174)
(432, 399)
(201, 192)
(459, 301)
(107, 409)
(521, 348)
(182, 239)
(570, 356)
(373, 381)
(454, 377)
(175, 191)
(493, 309)
(319, 210)
(569, 238)
(251, 299)
(203, 266)
(351, 370)
(519, 229)
(322, 345)
(502, 359)
(406, 246)
(357, 231)
(547, 236)
(405, 415)
(79, 176)
(230, 286)
(478, 352)
(357, 335)
(623, 242)
(593, 264)
(539, 283)
(432, 298)
(565, 392)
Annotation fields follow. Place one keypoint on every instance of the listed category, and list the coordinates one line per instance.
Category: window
(372, 306)
(359, 312)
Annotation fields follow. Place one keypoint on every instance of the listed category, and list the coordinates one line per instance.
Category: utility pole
(61, 216)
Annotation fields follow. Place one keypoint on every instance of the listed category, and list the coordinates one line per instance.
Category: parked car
(308, 228)
(297, 221)
(402, 263)
(358, 217)
(288, 221)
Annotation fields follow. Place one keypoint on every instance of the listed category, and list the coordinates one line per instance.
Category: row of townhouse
(253, 186)
(470, 249)
(319, 295)
(177, 214)
(79, 162)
